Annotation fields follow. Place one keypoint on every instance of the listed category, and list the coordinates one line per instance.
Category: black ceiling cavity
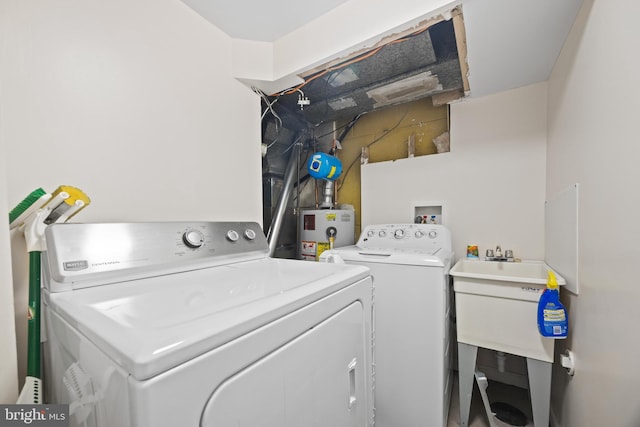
(416, 66)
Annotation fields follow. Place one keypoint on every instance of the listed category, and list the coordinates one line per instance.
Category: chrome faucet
(496, 255)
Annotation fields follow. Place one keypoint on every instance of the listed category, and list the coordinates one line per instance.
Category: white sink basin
(534, 272)
(496, 306)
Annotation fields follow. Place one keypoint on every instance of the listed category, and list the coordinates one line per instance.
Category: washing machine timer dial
(193, 239)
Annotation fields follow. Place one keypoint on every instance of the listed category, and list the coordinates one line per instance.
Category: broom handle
(33, 324)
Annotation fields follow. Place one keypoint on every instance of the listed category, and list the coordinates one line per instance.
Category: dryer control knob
(232, 236)
(193, 239)
(249, 234)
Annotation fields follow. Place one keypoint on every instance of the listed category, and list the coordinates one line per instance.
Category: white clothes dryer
(413, 334)
(191, 324)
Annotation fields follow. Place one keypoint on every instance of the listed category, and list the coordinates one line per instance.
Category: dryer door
(317, 379)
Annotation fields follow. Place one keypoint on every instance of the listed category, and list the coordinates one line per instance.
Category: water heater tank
(316, 226)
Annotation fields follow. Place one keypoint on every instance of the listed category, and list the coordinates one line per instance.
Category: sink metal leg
(466, 373)
(540, 389)
(483, 384)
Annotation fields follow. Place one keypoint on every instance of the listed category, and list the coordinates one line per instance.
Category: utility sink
(496, 306)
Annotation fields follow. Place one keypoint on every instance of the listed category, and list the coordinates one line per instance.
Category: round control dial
(371, 233)
(193, 238)
(419, 234)
(249, 234)
(398, 234)
(433, 234)
(232, 235)
(382, 233)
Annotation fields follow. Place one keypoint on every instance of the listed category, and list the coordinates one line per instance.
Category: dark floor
(497, 392)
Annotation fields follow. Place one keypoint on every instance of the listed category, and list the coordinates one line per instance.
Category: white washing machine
(413, 334)
(191, 324)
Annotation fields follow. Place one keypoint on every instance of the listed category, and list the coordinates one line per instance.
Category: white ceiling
(514, 43)
(511, 43)
(261, 20)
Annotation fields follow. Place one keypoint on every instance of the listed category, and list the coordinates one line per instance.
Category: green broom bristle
(26, 204)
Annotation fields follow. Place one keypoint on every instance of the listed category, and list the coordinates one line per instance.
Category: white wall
(594, 102)
(132, 101)
(492, 181)
(8, 361)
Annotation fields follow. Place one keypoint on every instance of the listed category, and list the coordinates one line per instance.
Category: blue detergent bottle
(552, 316)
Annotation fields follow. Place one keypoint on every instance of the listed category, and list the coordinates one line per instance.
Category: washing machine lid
(151, 325)
(431, 257)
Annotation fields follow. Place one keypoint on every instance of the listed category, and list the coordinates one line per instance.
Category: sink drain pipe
(501, 359)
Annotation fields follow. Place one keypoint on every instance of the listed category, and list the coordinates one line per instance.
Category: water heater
(317, 226)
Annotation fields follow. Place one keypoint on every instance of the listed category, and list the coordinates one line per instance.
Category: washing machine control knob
(232, 236)
(193, 239)
(382, 233)
(398, 234)
(419, 234)
(433, 234)
(249, 234)
(371, 233)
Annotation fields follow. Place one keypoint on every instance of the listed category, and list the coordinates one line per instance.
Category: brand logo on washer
(75, 265)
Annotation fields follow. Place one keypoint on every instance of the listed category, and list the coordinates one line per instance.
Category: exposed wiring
(328, 70)
(293, 143)
(269, 104)
(304, 101)
(304, 181)
(332, 131)
(274, 141)
(341, 127)
(269, 109)
(343, 134)
(385, 133)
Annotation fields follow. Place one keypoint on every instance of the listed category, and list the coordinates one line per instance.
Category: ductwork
(328, 194)
(281, 207)
(424, 63)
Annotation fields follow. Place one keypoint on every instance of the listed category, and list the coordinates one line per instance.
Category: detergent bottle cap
(552, 282)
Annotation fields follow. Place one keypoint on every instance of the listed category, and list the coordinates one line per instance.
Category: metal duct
(327, 193)
(283, 200)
